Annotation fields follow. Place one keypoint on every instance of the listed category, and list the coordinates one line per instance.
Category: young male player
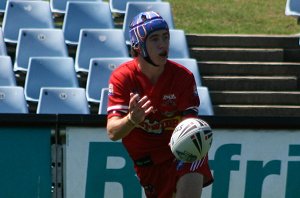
(148, 97)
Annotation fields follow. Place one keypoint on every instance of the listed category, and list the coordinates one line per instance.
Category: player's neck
(152, 72)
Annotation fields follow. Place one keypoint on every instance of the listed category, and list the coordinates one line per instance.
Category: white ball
(191, 140)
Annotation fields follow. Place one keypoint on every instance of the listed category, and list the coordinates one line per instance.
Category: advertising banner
(245, 163)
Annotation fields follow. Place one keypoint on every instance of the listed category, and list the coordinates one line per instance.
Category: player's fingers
(146, 104)
(149, 110)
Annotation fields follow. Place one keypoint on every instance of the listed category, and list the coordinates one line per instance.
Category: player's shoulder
(178, 68)
(124, 69)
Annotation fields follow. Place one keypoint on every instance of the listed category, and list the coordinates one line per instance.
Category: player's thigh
(189, 186)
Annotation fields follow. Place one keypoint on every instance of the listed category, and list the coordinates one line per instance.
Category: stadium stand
(178, 45)
(12, 100)
(3, 50)
(48, 72)
(103, 102)
(119, 7)
(134, 8)
(85, 15)
(206, 107)
(100, 68)
(62, 100)
(37, 43)
(25, 14)
(99, 43)
(7, 75)
(60, 6)
(192, 65)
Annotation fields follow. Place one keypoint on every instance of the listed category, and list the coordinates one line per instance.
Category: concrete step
(244, 40)
(255, 97)
(237, 54)
(257, 110)
(237, 68)
(251, 83)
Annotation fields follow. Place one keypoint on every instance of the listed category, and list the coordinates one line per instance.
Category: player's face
(158, 46)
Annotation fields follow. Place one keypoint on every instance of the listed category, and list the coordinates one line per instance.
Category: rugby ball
(191, 140)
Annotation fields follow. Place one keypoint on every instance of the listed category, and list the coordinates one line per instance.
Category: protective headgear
(141, 27)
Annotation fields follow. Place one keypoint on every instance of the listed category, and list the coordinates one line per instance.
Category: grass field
(233, 17)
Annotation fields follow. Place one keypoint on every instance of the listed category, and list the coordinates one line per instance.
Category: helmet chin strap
(148, 59)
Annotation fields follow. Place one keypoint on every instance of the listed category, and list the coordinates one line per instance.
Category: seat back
(119, 6)
(103, 101)
(25, 14)
(85, 15)
(192, 65)
(49, 72)
(3, 50)
(62, 100)
(60, 6)
(99, 43)
(178, 44)
(292, 8)
(12, 100)
(134, 8)
(7, 75)
(39, 43)
(206, 107)
(98, 76)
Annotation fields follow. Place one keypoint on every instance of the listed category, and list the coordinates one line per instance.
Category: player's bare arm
(119, 127)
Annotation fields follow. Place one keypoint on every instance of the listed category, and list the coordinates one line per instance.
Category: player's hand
(139, 108)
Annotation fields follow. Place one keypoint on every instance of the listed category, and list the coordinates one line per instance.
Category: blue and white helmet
(142, 26)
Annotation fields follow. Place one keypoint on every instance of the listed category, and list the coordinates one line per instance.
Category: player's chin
(162, 60)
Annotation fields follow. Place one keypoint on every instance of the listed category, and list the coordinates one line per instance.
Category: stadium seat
(7, 75)
(37, 43)
(60, 6)
(62, 100)
(206, 107)
(3, 50)
(119, 6)
(3, 4)
(192, 65)
(134, 8)
(85, 15)
(12, 100)
(178, 44)
(25, 14)
(292, 8)
(49, 72)
(99, 72)
(99, 43)
(103, 102)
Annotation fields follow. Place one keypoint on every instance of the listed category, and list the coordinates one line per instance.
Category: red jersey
(174, 93)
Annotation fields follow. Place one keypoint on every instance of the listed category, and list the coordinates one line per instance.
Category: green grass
(233, 17)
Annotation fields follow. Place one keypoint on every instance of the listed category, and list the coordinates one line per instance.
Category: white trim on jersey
(196, 164)
(118, 108)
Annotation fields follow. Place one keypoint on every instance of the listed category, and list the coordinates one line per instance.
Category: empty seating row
(79, 15)
(70, 100)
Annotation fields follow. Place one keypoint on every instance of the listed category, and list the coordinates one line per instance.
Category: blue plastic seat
(7, 75)
(134, 8)
(60, 6)
(3, 50)
(178, 44)
(192, 65)
(103, 101)
(85, 15)
(292, 8)
(206, 107)
(99, 72)
(99, 43)
(49, 72)
(39, 43)
(62, 100)
(12, 100)
(25, 14)
(119, 6)
(3, 4)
